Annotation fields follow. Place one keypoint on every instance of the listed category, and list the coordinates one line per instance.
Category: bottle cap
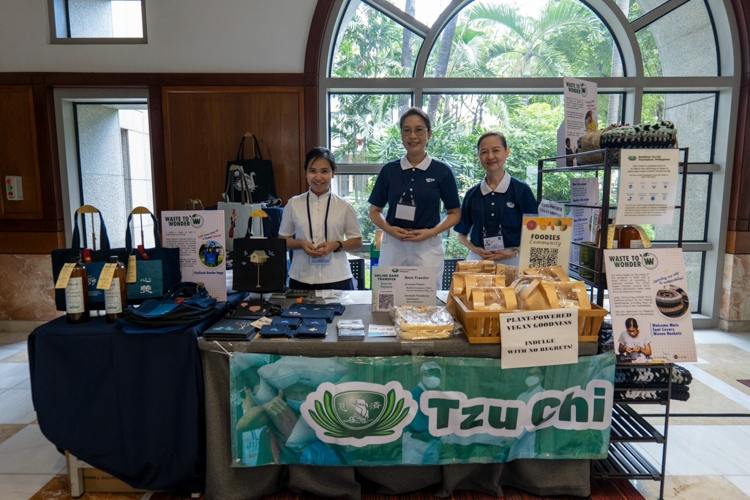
(113, 259)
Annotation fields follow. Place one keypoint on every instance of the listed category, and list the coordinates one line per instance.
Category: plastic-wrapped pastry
(529, 294)
(422, 322)
(475, 266)
(501, 299)
(550, 273)
(510, 273)
(462, 283)
(564, 295)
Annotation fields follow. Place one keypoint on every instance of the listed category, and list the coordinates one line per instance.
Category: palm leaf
(324, 415)
(322, 423)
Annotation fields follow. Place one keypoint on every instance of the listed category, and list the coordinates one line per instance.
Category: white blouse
(342, 224)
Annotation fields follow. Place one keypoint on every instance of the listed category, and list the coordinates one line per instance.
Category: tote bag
(237, 214)
(258, 175)
(157, 269)
(94, 259)
(259, 264)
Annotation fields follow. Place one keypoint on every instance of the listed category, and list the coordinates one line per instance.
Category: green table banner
(416, 410)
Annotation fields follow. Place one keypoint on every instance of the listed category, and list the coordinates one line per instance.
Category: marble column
(735, 294)
(26, 288)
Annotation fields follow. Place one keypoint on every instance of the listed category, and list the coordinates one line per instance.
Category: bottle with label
(77, 294)
(116, 297)
(630, 237)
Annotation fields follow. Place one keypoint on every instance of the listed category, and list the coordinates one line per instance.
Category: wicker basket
(483, 327)
(590, 142)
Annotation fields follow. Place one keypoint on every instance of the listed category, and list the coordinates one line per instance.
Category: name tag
(321, 260)
(494, 243)
(405, 212)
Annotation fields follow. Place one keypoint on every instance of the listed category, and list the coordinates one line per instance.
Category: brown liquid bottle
(116, 297)
(630, 237)
(77, 294)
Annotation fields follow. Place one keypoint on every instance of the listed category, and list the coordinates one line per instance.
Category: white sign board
(403, 286)
(650, 308)
(648, 186)
(199, 234)
(583, 191)
(551, 209)
(545, 241)
(580, 103)
(539, 338)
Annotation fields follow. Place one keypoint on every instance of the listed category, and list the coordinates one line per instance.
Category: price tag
(64, 277)
(262, 321)
(105, 278)
(131, 276)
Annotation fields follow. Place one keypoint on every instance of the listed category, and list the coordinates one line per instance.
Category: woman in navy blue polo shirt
(492, 211)
(413, 188)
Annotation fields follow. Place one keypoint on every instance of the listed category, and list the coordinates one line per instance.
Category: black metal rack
(623, 460)
(578, 271)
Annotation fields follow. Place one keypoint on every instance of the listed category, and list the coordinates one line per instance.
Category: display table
(540, 477)
(130, 405)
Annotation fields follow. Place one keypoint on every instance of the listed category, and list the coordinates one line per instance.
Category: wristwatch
(341, 245)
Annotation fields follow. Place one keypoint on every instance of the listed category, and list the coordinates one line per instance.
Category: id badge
(326, 259)
(405, 212)
(494, 243)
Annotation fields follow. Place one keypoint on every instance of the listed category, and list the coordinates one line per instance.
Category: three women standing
(413, 188)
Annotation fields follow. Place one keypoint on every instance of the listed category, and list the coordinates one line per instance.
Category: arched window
(475, 65)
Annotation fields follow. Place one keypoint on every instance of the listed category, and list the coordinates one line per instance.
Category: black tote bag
(259, 264)
(157, 269)
(258, 175)
(95, 264)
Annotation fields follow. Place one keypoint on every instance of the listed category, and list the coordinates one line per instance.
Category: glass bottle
(116, 297)
(77, 294)
(629, 237)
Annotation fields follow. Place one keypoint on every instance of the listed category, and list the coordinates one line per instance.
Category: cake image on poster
(672, 302)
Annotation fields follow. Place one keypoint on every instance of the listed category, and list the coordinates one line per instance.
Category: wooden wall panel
(18, 152)
(203, 128)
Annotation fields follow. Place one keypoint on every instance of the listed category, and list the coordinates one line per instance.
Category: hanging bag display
(258, 174)
(94, 259)
(259, 263)
(237, 214)
(150, 271)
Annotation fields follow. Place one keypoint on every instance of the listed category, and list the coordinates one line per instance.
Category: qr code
(542, 257)
(385, 301)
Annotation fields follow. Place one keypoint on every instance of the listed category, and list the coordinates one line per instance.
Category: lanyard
(408, 184)
(484, 219)
(309, 219)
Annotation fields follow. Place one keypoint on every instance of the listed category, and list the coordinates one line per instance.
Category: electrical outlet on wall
(13, 188)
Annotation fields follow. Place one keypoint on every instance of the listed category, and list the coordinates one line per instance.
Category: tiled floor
(708, 457)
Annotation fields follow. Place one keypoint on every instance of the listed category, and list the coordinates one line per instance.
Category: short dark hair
(249, 377)
(631, 323)
(415, 112)
(491, 133)
(320, 152)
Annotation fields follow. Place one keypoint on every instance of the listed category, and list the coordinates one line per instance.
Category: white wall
(184, 36)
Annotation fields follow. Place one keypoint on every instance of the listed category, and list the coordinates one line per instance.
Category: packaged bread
(462, 282)
(501, 299)
(422, 322)
(529, 294)
(550, 273)
(566, 294)
(509, 272)
(475, 266)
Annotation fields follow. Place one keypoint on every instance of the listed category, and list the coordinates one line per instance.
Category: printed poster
(581, 115)
(648, 186)
(539, 338)
(416, 410)
(583, 191)
(403, 286)
(545, 241)
(650, 307)
(199, 234)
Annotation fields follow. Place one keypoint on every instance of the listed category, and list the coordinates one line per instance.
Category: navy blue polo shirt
(492, 210)
(427, 186)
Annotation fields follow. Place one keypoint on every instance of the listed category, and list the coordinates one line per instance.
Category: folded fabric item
(185, 300)
(656, 375)
(310, 311)
(230, 326)
(128, 327)
(679, 393)
(255, 309)
(312, 328)
(190, 319)
(236, 337)
(290, 322)
(275, 331)
(337, 308)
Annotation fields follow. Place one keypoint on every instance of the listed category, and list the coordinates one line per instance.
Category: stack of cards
(351, 329)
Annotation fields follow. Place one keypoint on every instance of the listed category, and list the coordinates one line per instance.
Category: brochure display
(545, 241)
(650, 306)
(403, 286)
(199, 234)
(648, 186)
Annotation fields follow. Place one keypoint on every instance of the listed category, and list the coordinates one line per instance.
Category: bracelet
(341, 245)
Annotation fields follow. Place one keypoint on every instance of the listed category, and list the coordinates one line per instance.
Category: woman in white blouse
(319, 227)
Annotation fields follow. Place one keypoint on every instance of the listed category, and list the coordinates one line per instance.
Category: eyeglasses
(419, 131)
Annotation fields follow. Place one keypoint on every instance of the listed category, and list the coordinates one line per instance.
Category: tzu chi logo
(359, 413)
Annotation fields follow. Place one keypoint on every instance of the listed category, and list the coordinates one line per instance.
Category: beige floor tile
(723, 354)
(692, 488)
(730, 373)
(19, 357)
(7, 430)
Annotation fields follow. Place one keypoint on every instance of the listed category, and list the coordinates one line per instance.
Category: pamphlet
(650, 307)
(581, 115)
(551, 209)
(583, 191)
(199, 234)
(351, 329)
(403, 286)
(539, 338)
(545, 241)
(648, 186)
(381, 331)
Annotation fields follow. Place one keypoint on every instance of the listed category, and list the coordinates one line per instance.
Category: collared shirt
(422, 186)
(342, 224)
(502, 208)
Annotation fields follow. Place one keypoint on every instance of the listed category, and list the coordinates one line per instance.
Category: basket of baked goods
(477, 304)
(422, 322)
